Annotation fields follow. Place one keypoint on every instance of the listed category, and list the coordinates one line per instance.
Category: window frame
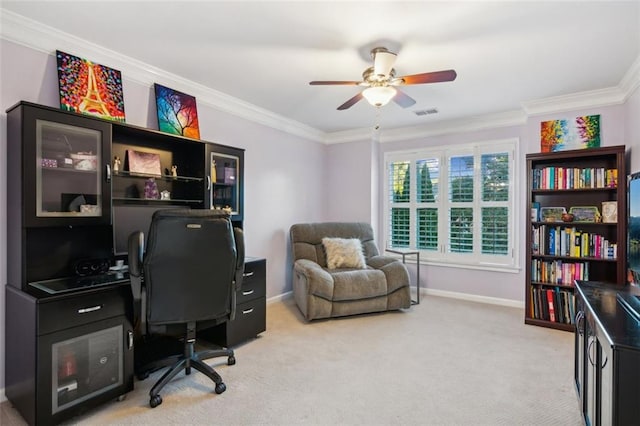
(475, 260)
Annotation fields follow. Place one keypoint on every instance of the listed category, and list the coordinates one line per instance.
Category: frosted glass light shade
(379, 95)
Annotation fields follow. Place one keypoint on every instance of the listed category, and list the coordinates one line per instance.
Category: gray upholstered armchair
(324, 287)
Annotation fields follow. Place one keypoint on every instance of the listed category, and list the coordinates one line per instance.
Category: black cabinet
(250, 317)
(65, 354)
(607, 358)
(225, 179)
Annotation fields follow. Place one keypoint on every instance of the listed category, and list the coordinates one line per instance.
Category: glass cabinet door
(85, 366)
(68, 173)
(225, 182)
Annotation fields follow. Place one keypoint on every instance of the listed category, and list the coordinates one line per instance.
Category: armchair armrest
(380, 261)
(319, 281)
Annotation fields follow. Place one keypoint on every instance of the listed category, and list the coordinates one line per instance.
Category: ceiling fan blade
(427, 77)
(351, 102)
(402, 99)
(339, 83)
(383, 61)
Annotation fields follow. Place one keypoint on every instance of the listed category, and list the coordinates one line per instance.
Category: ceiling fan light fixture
(379, 95)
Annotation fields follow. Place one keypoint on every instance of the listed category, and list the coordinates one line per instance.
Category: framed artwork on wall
(89, 88)
(561, 135)
(177, 112)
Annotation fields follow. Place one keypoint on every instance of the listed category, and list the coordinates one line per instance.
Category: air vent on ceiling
(426, 111)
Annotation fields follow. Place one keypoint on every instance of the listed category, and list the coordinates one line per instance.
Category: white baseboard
(280, 297)
(473, 297)
(434, 292)
(3, 397)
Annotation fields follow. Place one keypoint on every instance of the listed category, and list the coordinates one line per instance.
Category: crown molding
(589, 99)
(23, 31)
(34, 35)
(462, 125)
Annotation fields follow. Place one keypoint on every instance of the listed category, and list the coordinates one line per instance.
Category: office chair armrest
(238, 236)
(136, 254)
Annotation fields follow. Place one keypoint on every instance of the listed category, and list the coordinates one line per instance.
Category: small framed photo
(146, 163)
(585, 213)
(535, 211)
(610, 211)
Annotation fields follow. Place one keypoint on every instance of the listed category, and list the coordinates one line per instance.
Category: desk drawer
(253, 281)
(249, 322)
(81, 309)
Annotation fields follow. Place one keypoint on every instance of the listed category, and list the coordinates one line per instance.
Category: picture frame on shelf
(146, 163)
(609, 211)
(552, 214)
(535, 211)
(585, 214)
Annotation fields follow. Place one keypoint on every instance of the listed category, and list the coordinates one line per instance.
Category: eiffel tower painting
(90, 88)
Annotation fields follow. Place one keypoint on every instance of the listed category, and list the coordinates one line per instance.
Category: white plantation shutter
(454, 204)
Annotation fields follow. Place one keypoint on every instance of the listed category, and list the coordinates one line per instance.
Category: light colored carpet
(443, 362)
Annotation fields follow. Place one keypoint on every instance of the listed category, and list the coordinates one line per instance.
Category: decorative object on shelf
(567, 217)
(610, 211)
(151, 189)
(213, 171)
(89, 208)
(116, 164)
(50, 163)
(579, 133)
(85, 161)
(144, 162)
(177, 112)
(174, 171)
(535, 211)
(552, 214)
(585, 213)
(165, 195)
(229, 174)
(89, 88)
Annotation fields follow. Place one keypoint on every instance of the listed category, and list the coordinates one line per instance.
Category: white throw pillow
(343, 253)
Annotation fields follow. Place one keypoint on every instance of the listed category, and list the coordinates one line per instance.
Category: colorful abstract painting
(177, 112)
(89, 88)
(561, 135)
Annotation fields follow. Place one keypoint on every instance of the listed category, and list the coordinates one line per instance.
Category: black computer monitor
(128, 219)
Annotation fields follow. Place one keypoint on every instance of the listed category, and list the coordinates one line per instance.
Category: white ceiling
(265, 52)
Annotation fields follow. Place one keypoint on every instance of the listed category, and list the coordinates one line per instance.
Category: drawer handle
(246, 293)
(248, 274)
(90, 309)
(247, 311)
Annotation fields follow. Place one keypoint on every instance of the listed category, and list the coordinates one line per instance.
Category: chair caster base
(154, 401)
(220, 387)
(231, 360)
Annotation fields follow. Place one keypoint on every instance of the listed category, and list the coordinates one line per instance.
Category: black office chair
(186, 280)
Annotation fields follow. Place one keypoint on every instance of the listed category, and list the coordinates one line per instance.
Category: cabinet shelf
(166, 178)
(574, 258)
(66, 170)
(127, 200)
(579, 224)
(550, 324)
(561, 192)
(563, 286)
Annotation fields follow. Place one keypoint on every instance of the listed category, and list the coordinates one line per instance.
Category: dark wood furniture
(559, 252)
(250, 309)
(69, 214)
(607, 353)
(67, 353)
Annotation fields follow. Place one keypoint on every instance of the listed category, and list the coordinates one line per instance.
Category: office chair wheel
(231, 360)
(143, 375)
(220, 387)
(154, 401)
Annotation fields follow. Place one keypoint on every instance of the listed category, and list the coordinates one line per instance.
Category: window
(454, 204)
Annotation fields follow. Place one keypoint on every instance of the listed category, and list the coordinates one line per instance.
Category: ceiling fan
(381, 82)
